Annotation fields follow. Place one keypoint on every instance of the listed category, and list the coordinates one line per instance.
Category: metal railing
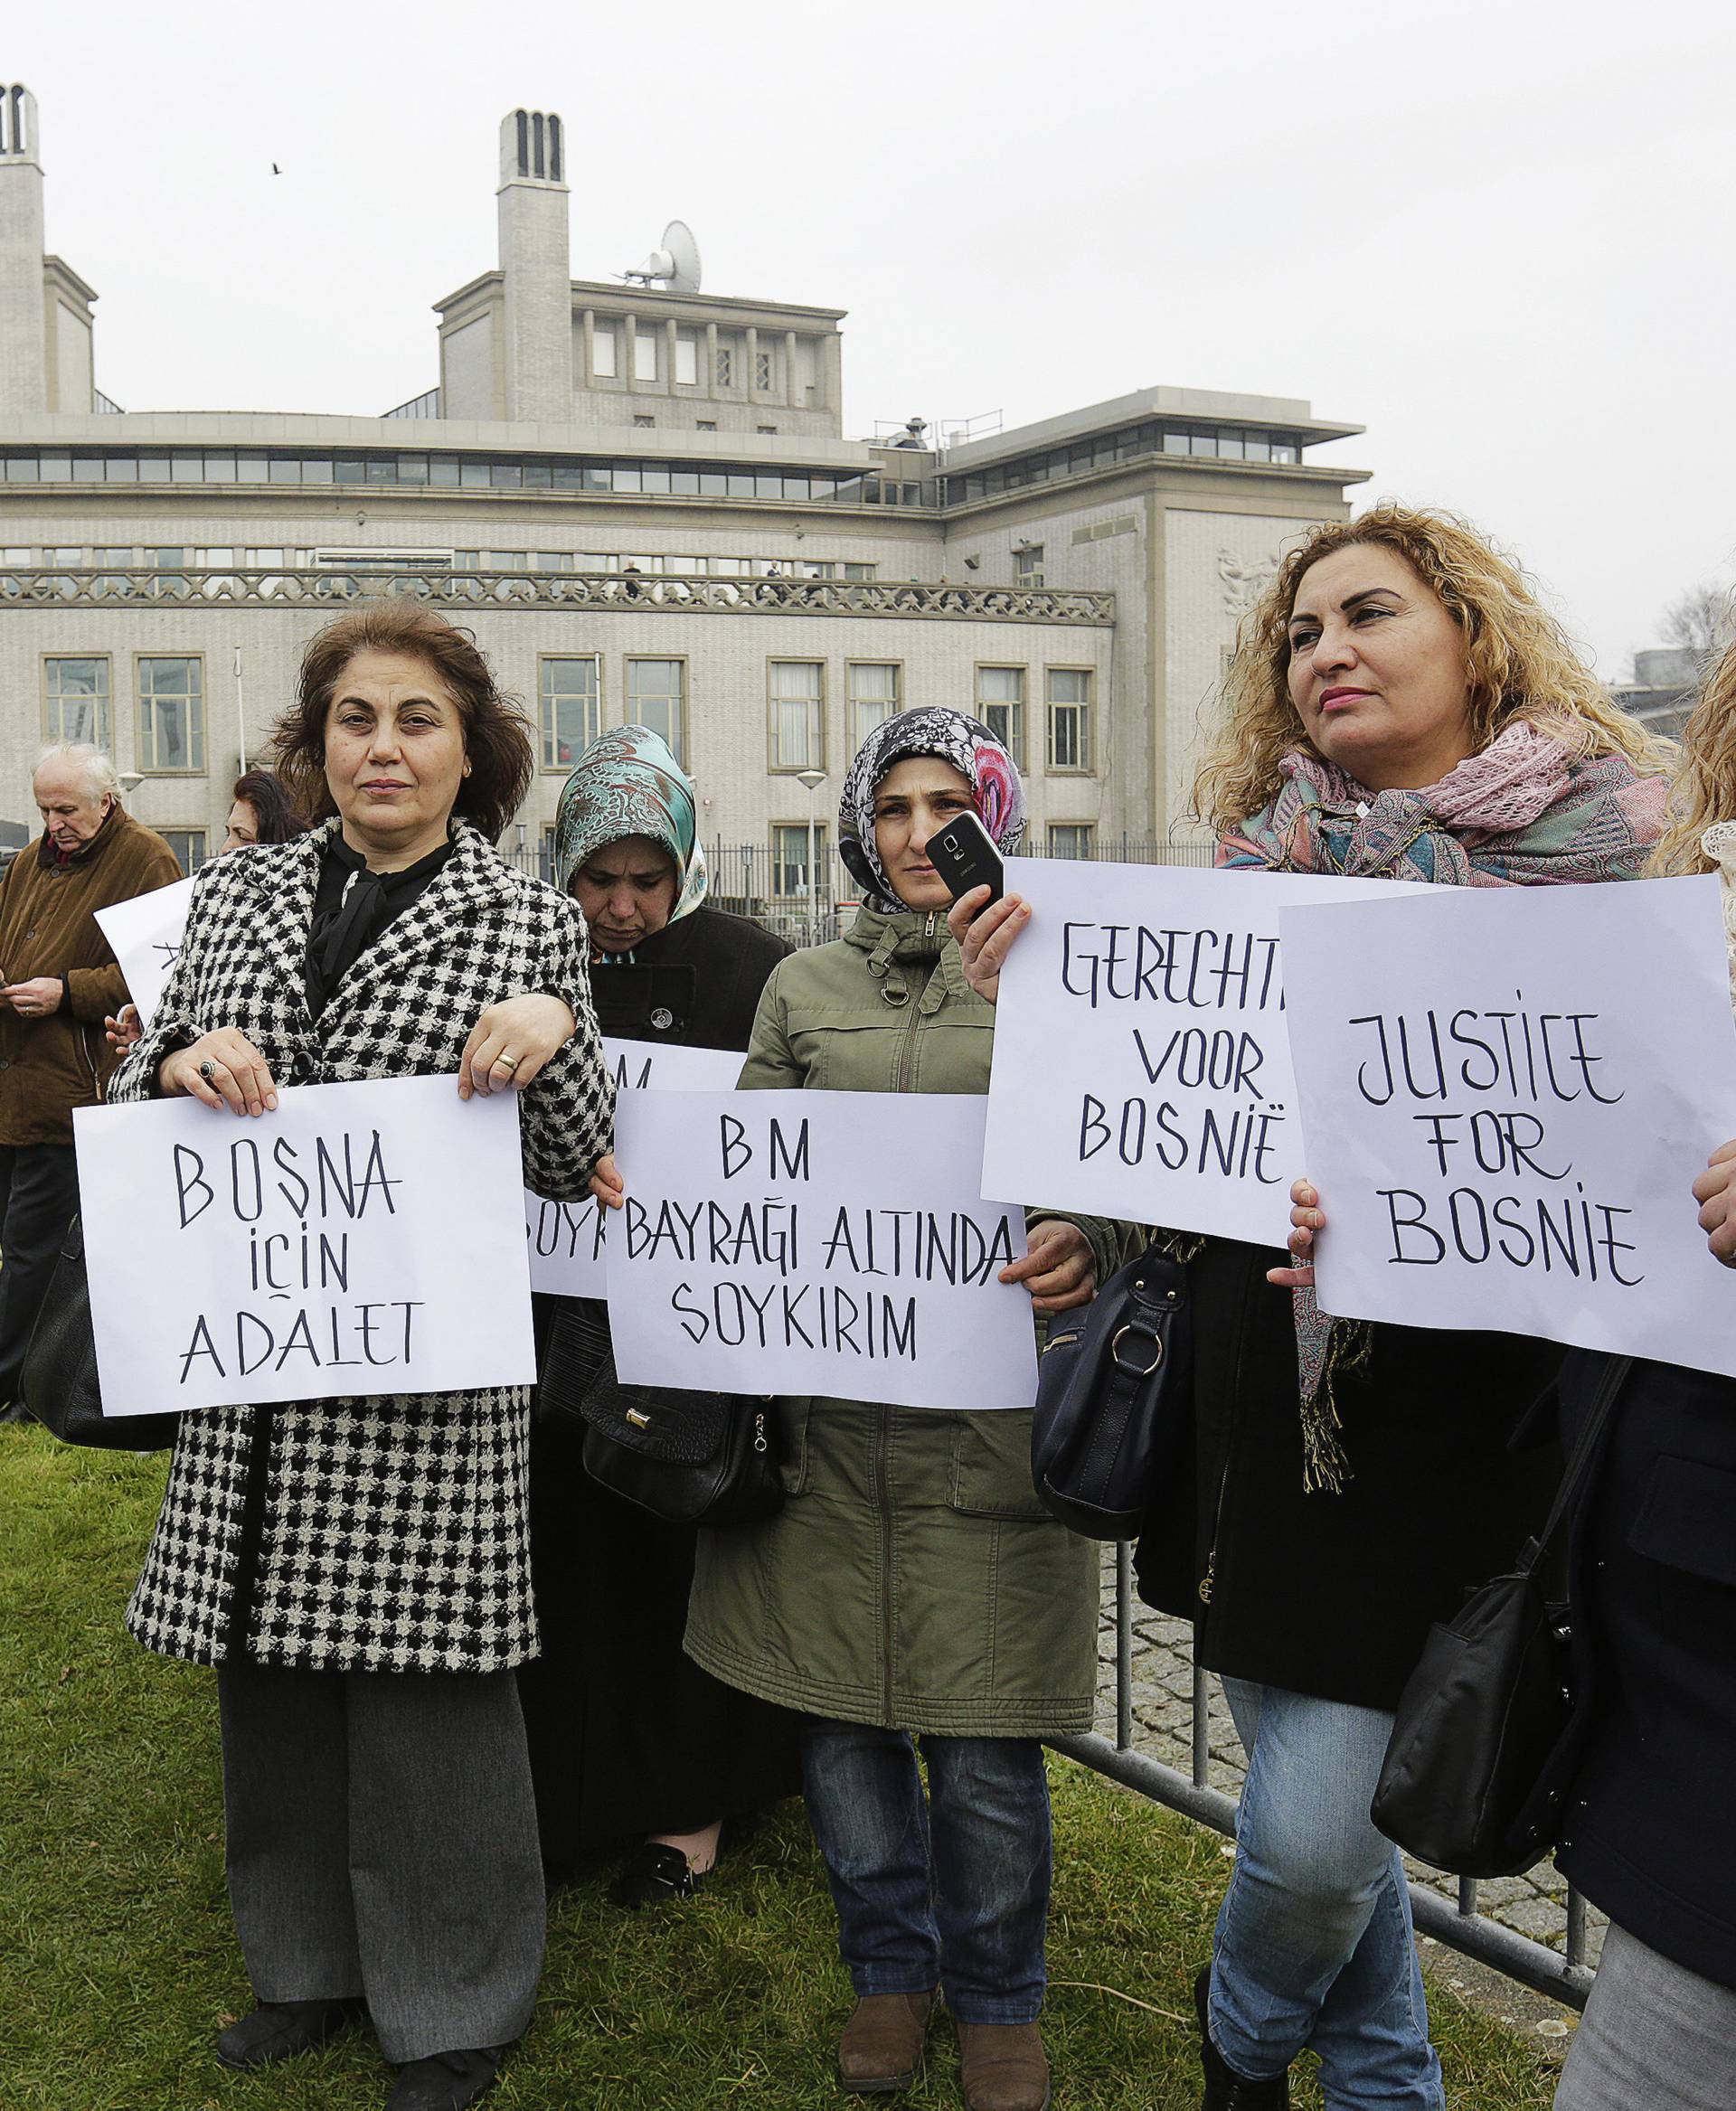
(1563, 1974)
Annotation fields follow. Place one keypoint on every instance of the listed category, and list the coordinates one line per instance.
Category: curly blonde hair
(1519, 664)
(1704, 790)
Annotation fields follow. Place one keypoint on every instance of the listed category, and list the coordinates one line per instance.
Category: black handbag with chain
(708, 1458)
(1471, 1779)
(1114, 1409)
(60, 1383)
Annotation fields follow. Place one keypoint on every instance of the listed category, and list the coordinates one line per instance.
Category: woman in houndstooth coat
(358, 1569)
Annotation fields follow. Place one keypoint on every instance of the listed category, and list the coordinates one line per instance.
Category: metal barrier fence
(1563, 1974)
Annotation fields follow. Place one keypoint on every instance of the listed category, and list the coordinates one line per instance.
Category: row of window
(570, 708)
(607, 359)
(251, 557)
(571, 472)
(1221, 443)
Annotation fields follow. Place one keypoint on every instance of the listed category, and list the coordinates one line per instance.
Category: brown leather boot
(882, 2042)
(1002, 2067)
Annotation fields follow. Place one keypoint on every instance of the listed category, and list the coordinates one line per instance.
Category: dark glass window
(187, 468)
(741, 483)
(23, 468)
(654, 479)
(1229, 444)
(538, 476)
(713, 483)
(256, 469)
(569, 476)
(505, 476)
(351, 469)
(443, 469)
(625, 477)
(1203, 443)
(87, 468)
(1256, 446)
(56, 469)
(599, 476)
(684, 480)
(317, 469)
(121, 469)
(472, 475)
(153, 468)
(381, 469)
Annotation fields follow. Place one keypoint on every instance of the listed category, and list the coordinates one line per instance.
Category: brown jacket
(48, 926)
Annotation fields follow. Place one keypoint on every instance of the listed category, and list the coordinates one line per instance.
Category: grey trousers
(1655, 2037)
(382, 1841)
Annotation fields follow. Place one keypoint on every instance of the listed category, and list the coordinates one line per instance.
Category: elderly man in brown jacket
(58, 981)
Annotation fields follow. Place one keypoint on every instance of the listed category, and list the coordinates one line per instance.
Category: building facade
(641, 498)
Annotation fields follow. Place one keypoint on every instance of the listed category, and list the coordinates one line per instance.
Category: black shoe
(1225, 2090)
(446, 2081)
(279, 2029)
(654, 1876)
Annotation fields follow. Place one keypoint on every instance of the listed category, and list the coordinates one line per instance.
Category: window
(1070, 718)
(264, 560)
(554, 560)
(873, 687)
(704, 425)
(75, 700)
(571, 715)
(1027, 565)
(725, 367)
(165, 560)
(789, 849)
(120, 553)
(188, 845)
(645, 423)
(797, 707)
(645, 357)
(762, 370)
(171, 714)
(1070, 839)
(687, 360)
(765, 428)
(1000, 704)
(602, 354)
(657, 696)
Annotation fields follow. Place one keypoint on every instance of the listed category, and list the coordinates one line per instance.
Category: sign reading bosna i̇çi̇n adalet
(363, 1239)
(567, 1239)
(1506, 1095)
(1141, 1067)
(817, 1242)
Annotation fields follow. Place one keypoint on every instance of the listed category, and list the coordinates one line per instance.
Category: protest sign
(1506, 1095)
(145, 936)
(1142, 1068)
(363, 1239)
(817, 1242)
(567, 1238)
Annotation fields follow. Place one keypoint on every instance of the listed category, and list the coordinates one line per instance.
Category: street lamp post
(812, 780)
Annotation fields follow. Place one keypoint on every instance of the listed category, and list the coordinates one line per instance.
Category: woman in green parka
(912, 1587)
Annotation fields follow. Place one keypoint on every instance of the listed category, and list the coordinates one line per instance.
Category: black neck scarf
(353, 907)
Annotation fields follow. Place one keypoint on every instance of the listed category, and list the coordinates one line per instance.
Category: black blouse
(353, 907)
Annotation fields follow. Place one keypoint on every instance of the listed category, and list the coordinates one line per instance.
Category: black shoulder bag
(693, 1459)
(1469, 1781)
(60, 1384)
(1114, 1400)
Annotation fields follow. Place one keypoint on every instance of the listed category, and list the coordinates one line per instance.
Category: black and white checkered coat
(388, 1533)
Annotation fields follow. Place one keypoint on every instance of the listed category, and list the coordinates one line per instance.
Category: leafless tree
(1703, 621)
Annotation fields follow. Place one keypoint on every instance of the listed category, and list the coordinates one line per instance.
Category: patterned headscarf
(972, 749)
(627, 783)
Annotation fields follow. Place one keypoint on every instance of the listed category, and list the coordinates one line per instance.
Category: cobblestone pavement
(1163, 1727)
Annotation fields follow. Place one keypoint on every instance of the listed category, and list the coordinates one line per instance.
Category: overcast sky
(1497, 235)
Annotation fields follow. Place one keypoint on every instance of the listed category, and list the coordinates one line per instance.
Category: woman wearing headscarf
(628, 1736)
(912, 1586)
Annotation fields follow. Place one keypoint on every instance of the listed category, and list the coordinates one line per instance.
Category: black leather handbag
(1114, 1409)
(1471, 1782)
(60, 1384)
(692, 1459)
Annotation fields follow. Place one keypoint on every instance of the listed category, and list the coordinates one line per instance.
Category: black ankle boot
(1225, 2090)
(279, 2029)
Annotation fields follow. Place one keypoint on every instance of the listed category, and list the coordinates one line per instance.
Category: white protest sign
(145, 935)
(1142, 1068)
(363, 1239)
(817, 1242)
(566, 1238)
(1506, 1095)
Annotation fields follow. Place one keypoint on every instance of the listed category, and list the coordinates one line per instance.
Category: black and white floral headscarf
(972, 749)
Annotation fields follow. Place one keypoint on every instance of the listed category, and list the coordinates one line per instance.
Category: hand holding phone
(964, 855)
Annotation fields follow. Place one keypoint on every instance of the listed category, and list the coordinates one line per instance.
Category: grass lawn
(119, 1965)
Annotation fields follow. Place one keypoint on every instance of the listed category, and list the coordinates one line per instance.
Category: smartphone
(964, 854)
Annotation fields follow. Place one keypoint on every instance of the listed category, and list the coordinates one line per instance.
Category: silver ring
(208, 1070)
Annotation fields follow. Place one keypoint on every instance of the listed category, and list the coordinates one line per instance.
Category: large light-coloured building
(641, 497)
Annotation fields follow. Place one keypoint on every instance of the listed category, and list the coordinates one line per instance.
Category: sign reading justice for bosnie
(1506, 1096)
(1142, 1065)
(365, 1238)
(815, 1242)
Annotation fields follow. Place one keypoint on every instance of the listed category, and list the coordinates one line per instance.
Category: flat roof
(1287, 413)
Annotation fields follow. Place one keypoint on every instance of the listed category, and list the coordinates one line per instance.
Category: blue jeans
(1314, 1942)
(952, 1889)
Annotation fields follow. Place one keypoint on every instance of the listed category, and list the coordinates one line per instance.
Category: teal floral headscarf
(627, 783)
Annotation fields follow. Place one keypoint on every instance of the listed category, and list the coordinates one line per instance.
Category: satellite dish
(675, 263)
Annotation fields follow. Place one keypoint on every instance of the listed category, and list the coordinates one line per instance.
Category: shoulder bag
(1114, 1407)
(1470, 1783)
(60, 1383)
(691, 1458)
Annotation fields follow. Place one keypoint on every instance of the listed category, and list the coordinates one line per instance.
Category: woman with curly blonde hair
(1400, 705)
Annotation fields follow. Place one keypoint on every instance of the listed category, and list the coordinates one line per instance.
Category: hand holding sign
(1715, 1192)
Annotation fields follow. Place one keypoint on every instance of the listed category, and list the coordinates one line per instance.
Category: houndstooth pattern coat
(387, 1533)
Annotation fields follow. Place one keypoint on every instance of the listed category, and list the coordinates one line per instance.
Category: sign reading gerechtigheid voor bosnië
(1506, 1096)
(815, 1242)
(365, 1238)
(1142, 1063)
(567, 1240)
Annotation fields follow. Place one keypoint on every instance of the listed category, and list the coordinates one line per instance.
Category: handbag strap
(1586, 1452)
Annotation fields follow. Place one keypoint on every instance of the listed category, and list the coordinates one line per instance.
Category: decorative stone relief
(1245, 579)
